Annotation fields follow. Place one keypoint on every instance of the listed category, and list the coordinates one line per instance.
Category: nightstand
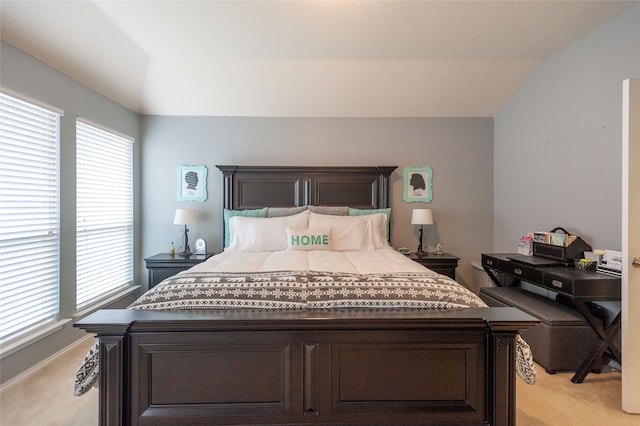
(164, 265)
(445, 263)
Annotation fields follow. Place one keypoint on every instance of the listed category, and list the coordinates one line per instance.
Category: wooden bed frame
(307, 367)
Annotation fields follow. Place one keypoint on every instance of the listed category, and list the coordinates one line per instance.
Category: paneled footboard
(248, 367)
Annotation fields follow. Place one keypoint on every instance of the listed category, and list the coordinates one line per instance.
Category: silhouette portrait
(191, 178)
(417, 181)
(418, 184)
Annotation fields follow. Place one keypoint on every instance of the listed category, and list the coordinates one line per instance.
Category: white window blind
(104, 213)
(29, 217)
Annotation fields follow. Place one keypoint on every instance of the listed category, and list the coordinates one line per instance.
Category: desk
(581, 288)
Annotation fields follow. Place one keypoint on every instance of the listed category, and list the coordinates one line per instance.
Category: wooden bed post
(111, 327)
(502, 380)
(112, 380)
(384, 186)
(227, 188)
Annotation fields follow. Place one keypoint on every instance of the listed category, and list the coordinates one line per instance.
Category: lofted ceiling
(302, 58)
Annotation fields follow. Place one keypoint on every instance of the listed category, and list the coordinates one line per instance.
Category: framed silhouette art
(417, 184)
(192, 183)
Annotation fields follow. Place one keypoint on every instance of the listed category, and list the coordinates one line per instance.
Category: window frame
(104, 260)
(31, 144)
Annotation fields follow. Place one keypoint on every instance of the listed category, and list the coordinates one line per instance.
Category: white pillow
(308, 239)
(379, 228)
(347, 232)
(263, 233)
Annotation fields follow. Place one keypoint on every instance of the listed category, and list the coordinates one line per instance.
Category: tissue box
(525, 247)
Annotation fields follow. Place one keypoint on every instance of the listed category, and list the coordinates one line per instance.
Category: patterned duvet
(306, 290)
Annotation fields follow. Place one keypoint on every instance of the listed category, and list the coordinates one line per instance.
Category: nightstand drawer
(157, 275)
(444, 264)
(163, 265)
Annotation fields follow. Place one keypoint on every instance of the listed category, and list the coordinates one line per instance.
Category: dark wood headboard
(250, 187)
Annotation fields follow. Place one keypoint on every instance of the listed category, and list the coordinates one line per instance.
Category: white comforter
(357, 262)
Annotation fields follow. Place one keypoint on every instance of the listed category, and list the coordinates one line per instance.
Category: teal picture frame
(191, 183)
(417, 184)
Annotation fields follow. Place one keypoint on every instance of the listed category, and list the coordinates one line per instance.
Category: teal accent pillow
(361, 212)
(228, 214)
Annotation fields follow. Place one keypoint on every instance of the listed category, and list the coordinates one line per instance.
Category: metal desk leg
(606, 334)
(496, 281)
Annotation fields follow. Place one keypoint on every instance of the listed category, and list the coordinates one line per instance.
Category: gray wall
(27, 76)
(458, 149)
(558, 141)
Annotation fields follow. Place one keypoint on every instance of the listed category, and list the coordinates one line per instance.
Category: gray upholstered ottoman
(562, 340)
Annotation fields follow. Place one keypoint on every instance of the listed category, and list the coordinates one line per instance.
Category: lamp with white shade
(185, 217)
(421, 217)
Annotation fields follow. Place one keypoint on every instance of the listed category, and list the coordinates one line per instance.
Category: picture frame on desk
(200, 246)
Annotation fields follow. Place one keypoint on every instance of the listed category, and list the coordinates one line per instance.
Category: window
(104, 213)
(29, 217)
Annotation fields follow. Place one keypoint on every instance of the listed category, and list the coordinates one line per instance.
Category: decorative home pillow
(308, 239)
(347, 232)
(284, 211)
(264, 233)
(228, 214)
(381, 223)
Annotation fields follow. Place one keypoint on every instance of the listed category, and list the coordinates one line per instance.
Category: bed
(337, 330)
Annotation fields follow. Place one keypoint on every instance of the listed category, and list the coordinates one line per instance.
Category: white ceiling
(302, 58)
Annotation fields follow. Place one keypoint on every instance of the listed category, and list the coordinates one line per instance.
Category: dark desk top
(574, 283)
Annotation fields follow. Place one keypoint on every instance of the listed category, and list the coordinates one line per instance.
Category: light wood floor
(45, 397)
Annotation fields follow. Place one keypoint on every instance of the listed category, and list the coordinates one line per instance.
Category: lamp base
(187, 250)
(420, 252)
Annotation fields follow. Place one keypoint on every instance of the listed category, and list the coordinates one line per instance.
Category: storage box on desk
(567, 254)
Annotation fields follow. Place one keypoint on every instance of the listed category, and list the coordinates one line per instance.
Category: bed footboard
(360, 367)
